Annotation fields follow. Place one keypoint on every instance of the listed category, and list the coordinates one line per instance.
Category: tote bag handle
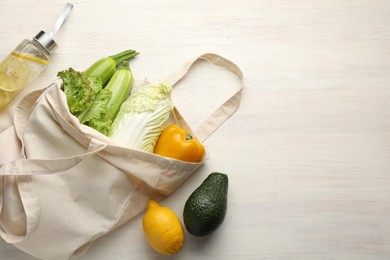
(221, 114)
(30, 167)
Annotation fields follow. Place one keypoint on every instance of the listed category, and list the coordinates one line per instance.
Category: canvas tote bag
(63, 184)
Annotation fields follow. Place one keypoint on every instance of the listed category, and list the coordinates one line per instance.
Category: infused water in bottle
(28, 60)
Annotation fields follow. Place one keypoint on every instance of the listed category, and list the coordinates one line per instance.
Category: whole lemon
(163, 229)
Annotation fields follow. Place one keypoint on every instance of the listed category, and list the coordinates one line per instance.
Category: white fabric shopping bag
(63, 184)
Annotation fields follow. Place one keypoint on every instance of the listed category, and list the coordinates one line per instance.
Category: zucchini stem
(124, 55)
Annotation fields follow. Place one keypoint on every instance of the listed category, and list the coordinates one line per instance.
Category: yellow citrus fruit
(13, 74)
(163, 229)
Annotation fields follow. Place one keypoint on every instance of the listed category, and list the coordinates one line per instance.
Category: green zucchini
(105, 107)
(106, 67)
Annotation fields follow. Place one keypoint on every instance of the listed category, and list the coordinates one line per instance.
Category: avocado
(205, 209)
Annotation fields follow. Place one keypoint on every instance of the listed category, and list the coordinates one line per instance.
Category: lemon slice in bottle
(13, 74)
(4, 99)
(31, 58)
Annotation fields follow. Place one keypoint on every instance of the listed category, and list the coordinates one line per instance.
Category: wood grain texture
(307, 153)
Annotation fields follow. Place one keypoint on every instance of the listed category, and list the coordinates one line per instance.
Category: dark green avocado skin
(206, 207)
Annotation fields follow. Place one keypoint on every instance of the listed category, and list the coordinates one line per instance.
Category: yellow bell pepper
(177, 143)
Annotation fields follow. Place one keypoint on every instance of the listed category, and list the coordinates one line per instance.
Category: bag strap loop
(40, 167)
(219, 116)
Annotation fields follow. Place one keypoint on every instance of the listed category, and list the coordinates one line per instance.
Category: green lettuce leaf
(95, 113)
(80, 90)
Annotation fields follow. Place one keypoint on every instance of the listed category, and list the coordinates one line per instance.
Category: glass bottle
(27, 61)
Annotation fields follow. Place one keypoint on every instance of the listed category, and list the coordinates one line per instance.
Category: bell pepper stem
(188, 137)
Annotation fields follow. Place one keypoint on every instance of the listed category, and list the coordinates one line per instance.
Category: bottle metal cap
(46, 41)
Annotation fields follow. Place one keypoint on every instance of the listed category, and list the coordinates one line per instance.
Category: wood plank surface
(308, 151)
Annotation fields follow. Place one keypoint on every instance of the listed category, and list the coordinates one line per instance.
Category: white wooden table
(307, 153)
